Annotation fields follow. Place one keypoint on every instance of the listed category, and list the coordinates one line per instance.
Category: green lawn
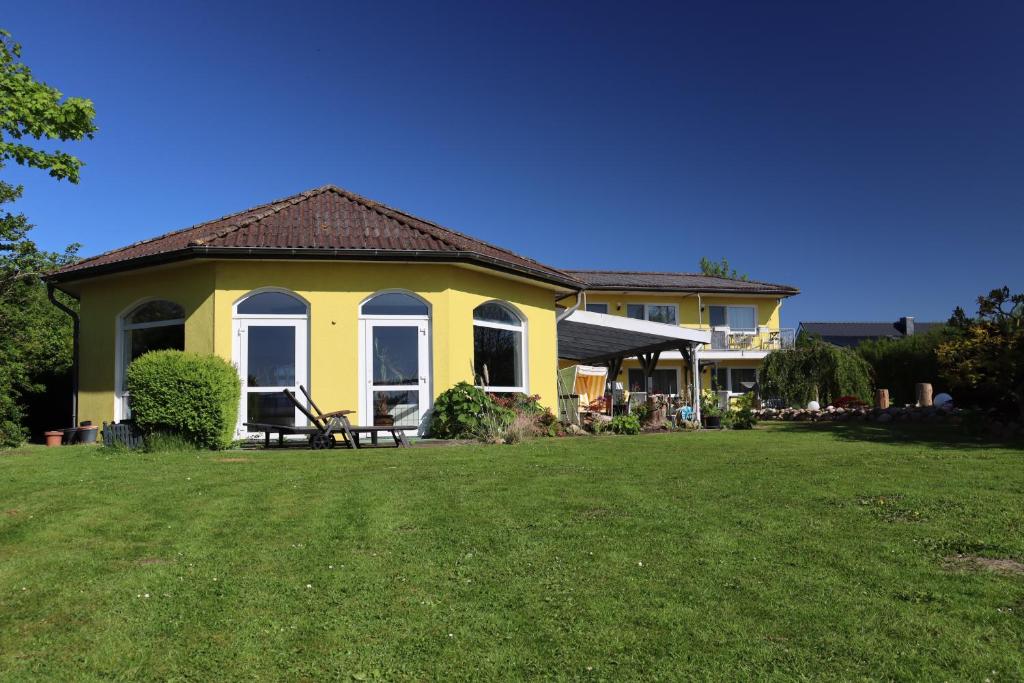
(791, 552)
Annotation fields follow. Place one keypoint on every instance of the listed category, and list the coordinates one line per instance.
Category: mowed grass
(788, 552)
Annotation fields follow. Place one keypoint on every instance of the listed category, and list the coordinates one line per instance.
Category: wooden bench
(325, 427)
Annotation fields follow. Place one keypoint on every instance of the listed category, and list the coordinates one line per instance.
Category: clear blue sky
(871, 154)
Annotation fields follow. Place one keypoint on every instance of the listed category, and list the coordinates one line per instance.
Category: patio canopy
(597, 337)
(587, 337)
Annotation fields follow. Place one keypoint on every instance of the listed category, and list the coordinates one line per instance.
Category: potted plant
(382, 416)
(710, 411)
(54, 438)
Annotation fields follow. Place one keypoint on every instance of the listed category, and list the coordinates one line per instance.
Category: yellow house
(374, 310)
(742, 316)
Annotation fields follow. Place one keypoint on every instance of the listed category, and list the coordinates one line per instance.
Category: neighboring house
(853, 333)
(741, 315)
(376, 310)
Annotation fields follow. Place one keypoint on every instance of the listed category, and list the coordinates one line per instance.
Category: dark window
(156, 339)
(635, 311)
(271, 356)
(497, 356)
(394, 303)
(716, 316)
(721, 379)
(495, 313)
(743, 380)
(597, 308)
(156, 311)
(662, 381)
(272, 303)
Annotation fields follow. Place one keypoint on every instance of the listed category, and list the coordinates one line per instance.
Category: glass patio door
(272, 357)
(396, 372)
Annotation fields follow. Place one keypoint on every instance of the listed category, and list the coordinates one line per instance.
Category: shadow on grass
(936, 435)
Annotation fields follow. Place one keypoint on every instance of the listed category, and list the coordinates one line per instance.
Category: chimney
(906, 325)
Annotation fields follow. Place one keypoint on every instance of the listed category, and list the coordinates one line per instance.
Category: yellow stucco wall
(334, 290)
(768, 308)
(104, 299)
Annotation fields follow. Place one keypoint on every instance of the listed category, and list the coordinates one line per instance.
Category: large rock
(883, 418)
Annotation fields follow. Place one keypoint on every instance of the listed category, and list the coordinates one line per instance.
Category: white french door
(272, 356)
(396, 372)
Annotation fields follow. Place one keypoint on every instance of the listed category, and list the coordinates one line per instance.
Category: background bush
(898, 364)
(191, 395)
(815, 370)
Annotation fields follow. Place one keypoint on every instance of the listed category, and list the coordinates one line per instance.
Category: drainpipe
(74, 349)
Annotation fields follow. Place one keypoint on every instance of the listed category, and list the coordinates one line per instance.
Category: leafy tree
(987, 354)
(719, 269)
(34, 337)
(815, 370)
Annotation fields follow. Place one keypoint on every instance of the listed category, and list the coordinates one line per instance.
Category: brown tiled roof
(623, 280)
(326, 223)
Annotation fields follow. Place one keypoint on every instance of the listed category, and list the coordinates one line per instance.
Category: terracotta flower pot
(54, 438)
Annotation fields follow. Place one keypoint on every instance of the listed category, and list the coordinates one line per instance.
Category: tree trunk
(882, 398)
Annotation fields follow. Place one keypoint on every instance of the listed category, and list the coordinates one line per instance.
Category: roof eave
(326, 254)
(783, 292)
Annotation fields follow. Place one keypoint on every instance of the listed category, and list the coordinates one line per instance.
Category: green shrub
(741, 415)
(190, 395)
(625, 424)
(899, 364)
(815, 370)
(463, 412)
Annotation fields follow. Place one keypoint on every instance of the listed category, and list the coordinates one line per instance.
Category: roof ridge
(410, 221)
(275, 207)
(179, 231)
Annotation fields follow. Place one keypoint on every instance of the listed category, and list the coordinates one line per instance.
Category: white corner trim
(620, 322)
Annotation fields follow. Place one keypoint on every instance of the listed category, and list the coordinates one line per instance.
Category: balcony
(765, 339)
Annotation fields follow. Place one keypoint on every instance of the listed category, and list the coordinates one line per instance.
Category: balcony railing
(765, 339)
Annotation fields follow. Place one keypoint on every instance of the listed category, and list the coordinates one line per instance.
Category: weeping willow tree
(815, 370)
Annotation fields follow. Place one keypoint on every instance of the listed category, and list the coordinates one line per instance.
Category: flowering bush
(849, 402)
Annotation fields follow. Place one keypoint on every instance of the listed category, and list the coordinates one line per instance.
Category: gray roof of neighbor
(626, 280)
(325, 223)
(863, 330)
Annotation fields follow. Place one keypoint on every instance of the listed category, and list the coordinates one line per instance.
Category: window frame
(122, 349)
(302, 323)
(647, 313)
(521, 328)
(728, 318)
(597, 303)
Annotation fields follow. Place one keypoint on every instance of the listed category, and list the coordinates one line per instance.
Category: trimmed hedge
(188, 394)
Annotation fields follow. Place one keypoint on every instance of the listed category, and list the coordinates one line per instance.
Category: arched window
(395, 349)
(150, 326)
(394, 303)
(271, 333)
(499, 351)
(271, 303)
